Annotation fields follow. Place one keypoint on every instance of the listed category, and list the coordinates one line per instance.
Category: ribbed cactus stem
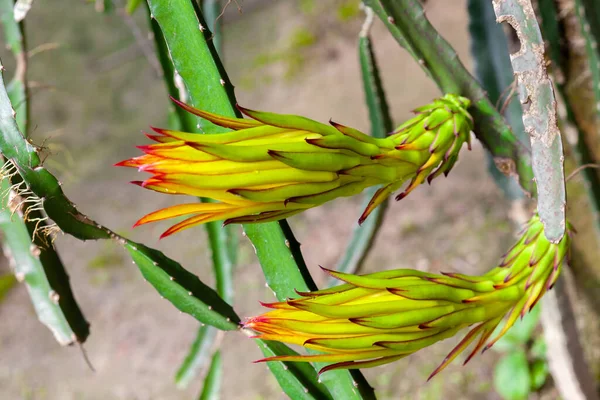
(536, 94)
(407, 22)
(565, 72)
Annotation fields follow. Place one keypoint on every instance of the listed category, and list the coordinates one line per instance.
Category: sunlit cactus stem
(378, 318)
(273, 166)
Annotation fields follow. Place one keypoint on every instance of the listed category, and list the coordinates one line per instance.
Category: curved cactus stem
(48, 286)
(178, 285)
(28, 235)
(406, 21)
(42, 183)
(536, 94)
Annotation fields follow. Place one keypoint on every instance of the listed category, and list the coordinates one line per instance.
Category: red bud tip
(303, 294)
(138, 223)
(166, 233)
(328, 271)
(469, 357)
(335, 124)
(251, 322)
(268, 305)
(155, 138)
(401, 196)
(395, 290)
(436, 371)
(245, 111)
(159, 130)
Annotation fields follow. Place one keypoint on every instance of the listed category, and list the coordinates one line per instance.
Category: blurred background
(95, 86)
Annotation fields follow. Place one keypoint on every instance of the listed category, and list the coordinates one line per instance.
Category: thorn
(85, 357)
(227, 222)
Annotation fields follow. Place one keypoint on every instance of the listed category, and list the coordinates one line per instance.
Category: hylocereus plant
(232, 165)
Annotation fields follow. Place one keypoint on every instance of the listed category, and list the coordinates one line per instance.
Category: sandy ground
(93, 114)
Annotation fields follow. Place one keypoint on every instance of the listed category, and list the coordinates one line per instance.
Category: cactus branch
(54, 304)
(206, 343)
(406, 21)
(26, 230)
(176, 284)
(42, 183)
(536, 94)
(182, 288)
